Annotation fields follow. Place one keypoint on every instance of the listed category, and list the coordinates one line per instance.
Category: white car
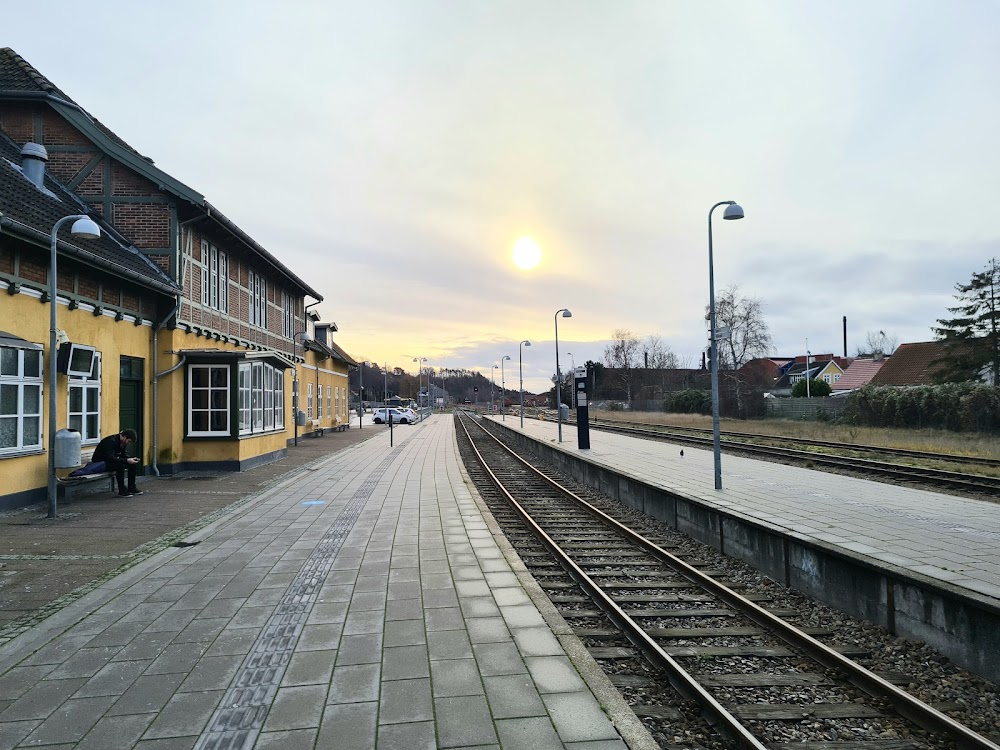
(399, 416)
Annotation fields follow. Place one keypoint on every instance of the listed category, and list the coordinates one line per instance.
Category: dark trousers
(119, 468)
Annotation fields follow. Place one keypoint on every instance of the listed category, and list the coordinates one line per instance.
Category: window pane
(199, 421)
(32, 399)
(199, 377)
(32, 363)
(76, 423)
(8, 361)
(8, 399)
(8, 432)
(219, 421)
(220, 399)
(93, 402)
(220, 377)
(199, 399)
(76, 399)
(92, 427)
(31, 431)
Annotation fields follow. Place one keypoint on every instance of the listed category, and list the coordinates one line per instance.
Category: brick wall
(126, 182)
(17, 120)
(145, 224)
(65, 165)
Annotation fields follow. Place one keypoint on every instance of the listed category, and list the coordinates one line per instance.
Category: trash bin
(564, 412)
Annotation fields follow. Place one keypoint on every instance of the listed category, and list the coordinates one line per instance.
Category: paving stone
(113, 679)
(449, 644)
(404, 609)
(360, 649)
(184, 714)
(295, 739)
(16, 682)
(211, 673)
(444, 618)
(578, 717)
(537, 642)
(368, 621)
(178, 657)
(404, 701)
(171, 743)
(349, 726)
(324, 637)
(405, 662)
(231, 642)
(414, 736)
(479, 606)
(488, 630)
(296, 708)
(404, 633)
(70, 721)
(12, 732)
(119, 634)
(355, 684)
(555, 674)
(309, 668)
(147, 694)
(513, 696)
(41, 699)
(498, 658)
(454, 677)
(250, 617)
(464, 720)
(536, 733)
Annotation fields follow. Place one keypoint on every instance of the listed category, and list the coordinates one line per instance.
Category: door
(130, 399)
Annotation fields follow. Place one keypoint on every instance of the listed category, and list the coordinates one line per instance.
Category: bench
(85, 458)
(318, 429)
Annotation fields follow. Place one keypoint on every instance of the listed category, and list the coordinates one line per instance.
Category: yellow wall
(326, 373)
(25, 316)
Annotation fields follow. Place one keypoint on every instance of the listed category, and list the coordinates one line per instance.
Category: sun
(526, 254)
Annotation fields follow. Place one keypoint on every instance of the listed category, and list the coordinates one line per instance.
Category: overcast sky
(391, 153)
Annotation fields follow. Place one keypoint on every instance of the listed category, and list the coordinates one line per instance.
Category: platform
(364, 603)
(921, 563)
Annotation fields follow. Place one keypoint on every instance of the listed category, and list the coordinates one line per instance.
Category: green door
(130, 398)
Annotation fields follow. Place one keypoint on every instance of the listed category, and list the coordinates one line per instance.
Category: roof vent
(34, 157)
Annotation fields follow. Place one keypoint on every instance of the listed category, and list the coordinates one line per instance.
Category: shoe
(134, 491)
(124, 494)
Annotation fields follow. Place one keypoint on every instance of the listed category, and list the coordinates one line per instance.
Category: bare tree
(622, 356)
(658, 354)
(749, 336)
(878, 344)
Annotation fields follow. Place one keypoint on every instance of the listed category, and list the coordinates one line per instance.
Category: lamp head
(526, 342)
(506, 356)
(86, 228)
(733, 211)
(567, 314)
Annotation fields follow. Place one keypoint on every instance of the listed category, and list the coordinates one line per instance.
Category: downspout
(305, 324)
(182, 270)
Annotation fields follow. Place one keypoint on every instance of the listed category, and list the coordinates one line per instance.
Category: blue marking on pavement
(313, 502)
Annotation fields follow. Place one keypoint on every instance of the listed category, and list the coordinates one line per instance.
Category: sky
(391, 153)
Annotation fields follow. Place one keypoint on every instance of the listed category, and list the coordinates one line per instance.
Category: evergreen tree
(972, 337)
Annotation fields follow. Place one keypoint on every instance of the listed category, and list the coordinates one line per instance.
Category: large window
(208, 400)
(258, 300)
(262, 398)
(20, 400)
(85, 404)
(329, 401)
(319, 401)
(287, 314)
(309, 400)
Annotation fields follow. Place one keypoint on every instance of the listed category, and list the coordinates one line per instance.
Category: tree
(878, 344)
(622, 356)
(749, 336)
(972, 337)
(816, 388)
(657, 354)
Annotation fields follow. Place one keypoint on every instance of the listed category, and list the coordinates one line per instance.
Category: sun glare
(527, 253)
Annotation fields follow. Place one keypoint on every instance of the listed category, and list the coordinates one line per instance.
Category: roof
(30, 213)
(860, 372)
(229, 355)
(330, 349)
(912, 364)
(20, 80)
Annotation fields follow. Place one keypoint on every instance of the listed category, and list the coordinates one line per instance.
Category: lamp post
(361, 394)
(520, 375)
(85, 228)
(733, 211)
(493, 380)
(572, 362)
(295, 383)
(385, 382)
(503, 387)
(566, 314)
(420, 361)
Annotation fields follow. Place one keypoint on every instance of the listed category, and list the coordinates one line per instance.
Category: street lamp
(572, 362)
(85, 228)
(566, 314)
(385, 382)
(520, 375)
(503, 387)
(361, 394)
(420, 361)
(733, 211)
(493, 380)
(295, 384)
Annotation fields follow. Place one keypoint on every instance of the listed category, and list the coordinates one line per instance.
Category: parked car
(411, 414)
(399, 416)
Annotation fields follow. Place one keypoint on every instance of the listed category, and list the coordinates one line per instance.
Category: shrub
(816, 388)
(969, 407)
(689, 401)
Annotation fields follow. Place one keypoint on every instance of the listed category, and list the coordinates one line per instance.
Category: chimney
(845, 335)
(33, 161)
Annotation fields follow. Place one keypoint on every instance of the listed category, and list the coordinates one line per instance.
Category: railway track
(684, 646)
(976, 484)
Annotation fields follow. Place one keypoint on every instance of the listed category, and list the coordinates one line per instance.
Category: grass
(933, 441)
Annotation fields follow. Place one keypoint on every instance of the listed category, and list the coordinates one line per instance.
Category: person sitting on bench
(112, 451)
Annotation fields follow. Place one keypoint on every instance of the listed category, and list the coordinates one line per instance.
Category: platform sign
(582, 407)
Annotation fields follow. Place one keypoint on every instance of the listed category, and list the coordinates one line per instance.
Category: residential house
(858, 374)
(912, 364)
(823, 367)
(204, 375)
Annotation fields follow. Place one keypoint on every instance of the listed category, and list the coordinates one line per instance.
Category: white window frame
(336, 398)
(258, 300)
(244, 398)
(204, 272)
(329, 402)
(279, 399)
(319, 401)
(287, 314)
(826, 379)
(210, 390)
(22, 381)
(262, 398)
(309, 400)
(90, 392)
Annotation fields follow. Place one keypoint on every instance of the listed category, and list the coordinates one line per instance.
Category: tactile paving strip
(241, 713)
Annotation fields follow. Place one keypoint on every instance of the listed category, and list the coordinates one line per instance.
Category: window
(309, 400)
(337, 402)
(85, 404)
(258, 300)
(262, 401)
(287, 314)
(208, 400)
(214, 277)
(319, 402)
(826, 379)
(329, 401)
(20, 400)
(836, 377)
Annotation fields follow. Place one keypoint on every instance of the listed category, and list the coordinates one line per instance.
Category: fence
(804, 408)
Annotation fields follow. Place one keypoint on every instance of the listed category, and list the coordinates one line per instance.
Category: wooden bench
(339, 426)
(318, 429)
(69, 482)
